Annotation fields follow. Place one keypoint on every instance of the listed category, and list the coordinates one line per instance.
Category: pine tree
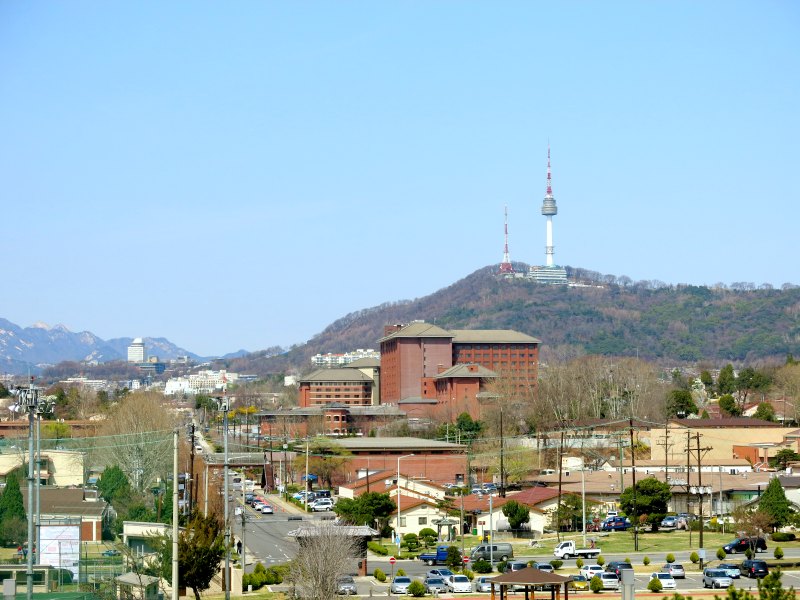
(773, 502)
(11, 505)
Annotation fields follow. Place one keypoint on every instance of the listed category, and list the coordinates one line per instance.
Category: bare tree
(137, 436)
(325, 553)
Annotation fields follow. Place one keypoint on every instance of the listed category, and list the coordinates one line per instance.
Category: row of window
(495, 347)
(420, 521)
(318, 386)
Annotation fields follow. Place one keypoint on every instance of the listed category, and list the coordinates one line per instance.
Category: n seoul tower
(549, 209)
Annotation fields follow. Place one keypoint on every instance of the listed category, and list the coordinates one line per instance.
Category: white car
(590, 571)
(266, 509)
(321, 504)
(667, 580)
(458, 583)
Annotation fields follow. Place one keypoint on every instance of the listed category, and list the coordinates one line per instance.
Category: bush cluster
(378, 548)
(416, 589)
(655, 585)
(778, 553)
(646, 561)
(262, 576)
(556, 564)
(781, 536)
(670, 558)
(596, 585)
(721, 554)
(482, 566)
(379, 575)
(601, 561)
(579, 562)
(694, 557)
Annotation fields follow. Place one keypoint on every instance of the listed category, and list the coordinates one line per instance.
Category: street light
(222, 405)
(30, 400)
(398, 496)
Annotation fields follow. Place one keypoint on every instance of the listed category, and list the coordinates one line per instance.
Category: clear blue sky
(240, 174)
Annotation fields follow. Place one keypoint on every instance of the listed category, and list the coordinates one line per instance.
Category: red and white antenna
(505, 266)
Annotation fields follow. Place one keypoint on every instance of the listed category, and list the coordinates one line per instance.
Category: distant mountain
(32, 348)
(610, 316)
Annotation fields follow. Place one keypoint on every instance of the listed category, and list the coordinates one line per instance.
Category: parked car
(516, 566)
(434, 584)
(609, 581)
(731, 569)
(615, 566)
(578, 582)
(677, 571)
(400, 585)
(322, 504)
(443, 573)
(742, 544)
(266, 509)
(346, 585)
(716, 578)
(111, 552)
(483, 584)
(669, 522)
(754, 568)
(458, 584)
(545, 567)
(667, 581)
(258, 505)
(590, 571)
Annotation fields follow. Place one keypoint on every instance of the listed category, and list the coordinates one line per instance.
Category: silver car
(400, 585)
(609, 580)
(434, 584)
(716, 578)
(677, 571)
(731, 570)
(483, 584)
(346, 585)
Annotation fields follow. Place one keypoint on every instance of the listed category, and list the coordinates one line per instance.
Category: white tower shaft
(549, 248)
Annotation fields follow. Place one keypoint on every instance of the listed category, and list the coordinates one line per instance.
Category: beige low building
(719, 436)
(386, 482)
(60, 468)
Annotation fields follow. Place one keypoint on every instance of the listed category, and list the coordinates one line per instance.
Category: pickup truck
(569, 550)
(435, 558)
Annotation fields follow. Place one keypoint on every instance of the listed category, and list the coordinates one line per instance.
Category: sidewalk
(288, 507)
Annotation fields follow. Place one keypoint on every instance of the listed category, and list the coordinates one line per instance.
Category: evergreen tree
(114, 484)
(773, 502)
(726, 382)
(11, 505)
(516, 513)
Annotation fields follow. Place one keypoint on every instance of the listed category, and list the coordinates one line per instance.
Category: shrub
(596, 584)
(556, 564)
(416, 589)
(748, 553)
(502, 566)
(655, 585)
(781, 536)
(646, 561)
(694, 557)
(670, 558)
(482, 566)
(469, 574)
(579, 562)
(411, 540)
(379, 575)
(778, 552)
(601, 561)
(721, 554)
(627, 560)
(378, 548)
(427, 532)
(401, 572)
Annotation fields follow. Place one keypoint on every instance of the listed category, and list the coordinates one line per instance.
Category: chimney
(390, 329)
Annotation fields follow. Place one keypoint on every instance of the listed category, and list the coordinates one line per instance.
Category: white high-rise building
(136, 351)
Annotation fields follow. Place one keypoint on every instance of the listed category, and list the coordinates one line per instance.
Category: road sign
(392, 560)
(465, 559)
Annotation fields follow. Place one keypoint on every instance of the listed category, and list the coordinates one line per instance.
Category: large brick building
(427, 370)
(354, 385)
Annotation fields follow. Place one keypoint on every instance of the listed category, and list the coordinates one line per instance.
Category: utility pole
(502, 465)
(635, 507)
(191, 467)
(688, 473)
(700, 452)
(558, 505)
(175, 515)
(664, 441)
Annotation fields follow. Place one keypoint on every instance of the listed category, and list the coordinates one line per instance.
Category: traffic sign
(392, 560)
(465, 559)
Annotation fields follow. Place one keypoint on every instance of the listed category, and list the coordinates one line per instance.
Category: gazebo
(448, 525)
(531, 578)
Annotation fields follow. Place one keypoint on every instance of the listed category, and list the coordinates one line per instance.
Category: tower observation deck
(549, 273)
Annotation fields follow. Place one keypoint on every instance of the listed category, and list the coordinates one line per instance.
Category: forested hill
(657, 322)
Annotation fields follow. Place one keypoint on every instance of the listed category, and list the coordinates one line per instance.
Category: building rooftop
(724, 422)
(337, 374)
(466, 371)
(397, 443)
(418, 329)
(492, 336)
(365, 362)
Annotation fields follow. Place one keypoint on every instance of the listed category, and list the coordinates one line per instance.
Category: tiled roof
(529, 575)
(339, 374)
(535, 495)
(367, 361)
(463, 371)
(397, 443)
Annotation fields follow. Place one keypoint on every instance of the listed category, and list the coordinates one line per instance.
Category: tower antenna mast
(505, 266)
(549, 209)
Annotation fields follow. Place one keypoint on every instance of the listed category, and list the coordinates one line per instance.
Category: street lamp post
(223, 406)
(398, 497)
